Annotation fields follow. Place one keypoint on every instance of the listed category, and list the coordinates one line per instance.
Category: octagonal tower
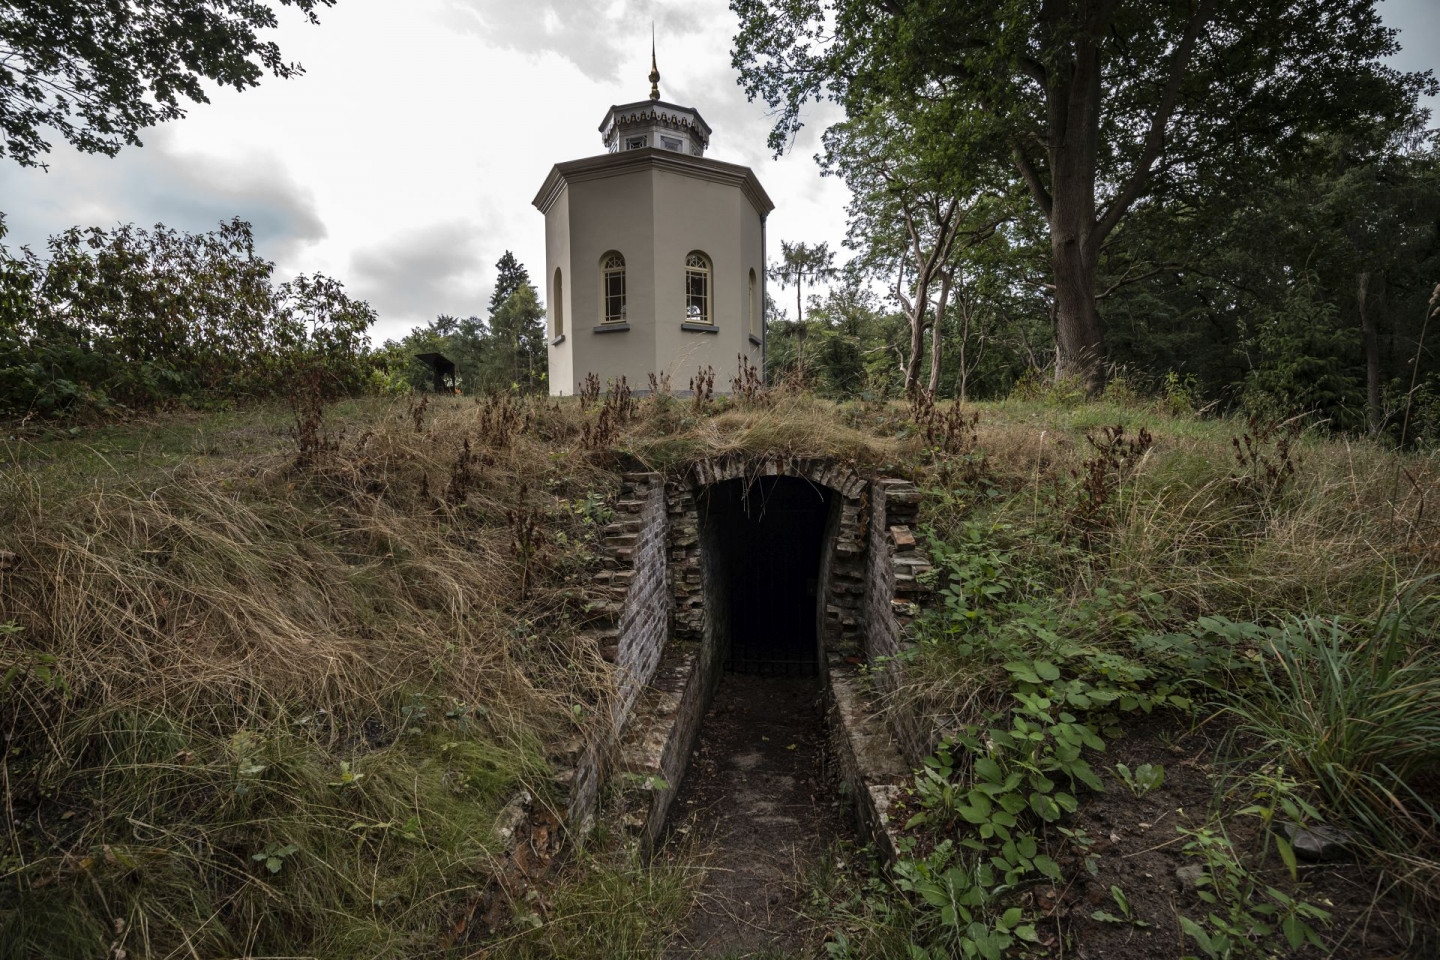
(654, 254)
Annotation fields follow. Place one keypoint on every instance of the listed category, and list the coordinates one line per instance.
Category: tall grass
(217, 655)
(237, 656)
(1354, 710)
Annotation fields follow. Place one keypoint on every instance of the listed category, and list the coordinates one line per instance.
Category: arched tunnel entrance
(765, 541)
(756, 796)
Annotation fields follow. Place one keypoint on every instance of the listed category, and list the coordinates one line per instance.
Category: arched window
(754, 322)
(697, 288)
(612, 288)
(558, 299)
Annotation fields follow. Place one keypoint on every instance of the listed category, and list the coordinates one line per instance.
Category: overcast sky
(404, 161)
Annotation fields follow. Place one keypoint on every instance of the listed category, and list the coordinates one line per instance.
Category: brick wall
(893, 563)
(657, 586)
(644, 622)
(630, 602)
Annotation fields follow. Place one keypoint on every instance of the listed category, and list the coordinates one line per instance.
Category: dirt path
(757, 805)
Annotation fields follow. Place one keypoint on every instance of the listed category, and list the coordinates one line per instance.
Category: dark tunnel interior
(765, 540)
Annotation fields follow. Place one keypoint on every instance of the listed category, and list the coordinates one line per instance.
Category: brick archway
(842, 565)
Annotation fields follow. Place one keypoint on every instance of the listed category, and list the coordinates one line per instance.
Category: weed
(747, 384)
(702, 389)
(951, 440)
(619, 408)
(659, 385)
(417, 412)
(313, 442)
(502, 417)
(526, 538)
(463, 476)
(1265, 458)
(589, 391)
(1101, 476)
(1143, 779)
(1245, 911)
(1122, 903)
(274, 854)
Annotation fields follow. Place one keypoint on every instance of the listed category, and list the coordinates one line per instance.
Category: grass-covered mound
(267, 684)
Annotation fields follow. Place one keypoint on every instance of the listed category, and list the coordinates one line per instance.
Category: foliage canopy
(98, 72)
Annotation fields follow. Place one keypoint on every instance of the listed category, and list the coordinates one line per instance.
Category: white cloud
(596, 40)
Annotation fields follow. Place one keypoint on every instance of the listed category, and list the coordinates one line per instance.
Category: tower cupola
(654, 255)
(653, 123)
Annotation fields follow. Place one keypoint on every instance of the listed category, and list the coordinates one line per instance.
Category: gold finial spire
(654, 70)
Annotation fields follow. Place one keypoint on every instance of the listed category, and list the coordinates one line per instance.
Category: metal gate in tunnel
(772, 535)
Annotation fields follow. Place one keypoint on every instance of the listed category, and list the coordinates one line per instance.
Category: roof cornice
(646, 107)
(630, 161)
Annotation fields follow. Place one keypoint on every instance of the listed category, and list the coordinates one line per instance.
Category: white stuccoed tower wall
(690, 232)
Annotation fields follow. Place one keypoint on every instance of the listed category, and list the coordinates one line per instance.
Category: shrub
(154, 318)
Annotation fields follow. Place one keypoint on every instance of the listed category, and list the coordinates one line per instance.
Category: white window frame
(754, 324)
(699, 267)
(612, 305)
(559, 298)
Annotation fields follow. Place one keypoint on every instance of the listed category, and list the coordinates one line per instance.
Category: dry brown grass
(191, 584)
(254, 581)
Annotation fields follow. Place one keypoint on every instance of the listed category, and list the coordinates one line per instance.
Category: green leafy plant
(1245, 911)
(348, 777)
(1142, 779)
(1122, 903)
(274, 854)
(43, 668)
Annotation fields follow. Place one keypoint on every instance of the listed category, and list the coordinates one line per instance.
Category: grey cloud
(419, 274)
(597, 42)
(157, 184)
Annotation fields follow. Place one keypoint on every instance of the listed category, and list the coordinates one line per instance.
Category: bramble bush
(148, 319)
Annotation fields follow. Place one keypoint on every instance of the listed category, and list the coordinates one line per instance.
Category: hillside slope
(267, 685)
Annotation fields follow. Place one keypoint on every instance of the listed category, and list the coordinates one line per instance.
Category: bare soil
(1140, 851)
(757, 804)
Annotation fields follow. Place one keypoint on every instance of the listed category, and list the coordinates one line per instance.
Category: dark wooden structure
(442, 369)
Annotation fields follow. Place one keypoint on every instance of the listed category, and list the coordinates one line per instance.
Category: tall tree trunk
(963, 303)
(917, 333)
(1074, 234)
(1079, 346)
(799, 330)
(936, 331)
(1372, 353)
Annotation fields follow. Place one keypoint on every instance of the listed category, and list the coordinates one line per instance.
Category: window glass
(636, 143)
(671, 143)
(559, 304)
(754, 324)
(697, 288)
(612, 288)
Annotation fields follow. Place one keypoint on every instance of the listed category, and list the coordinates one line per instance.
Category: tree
(512, 275)
(98, 72)
(912, 214)
(801, 263)
(517, 334)
(505, 352)
(1103, 105)
(149, 318)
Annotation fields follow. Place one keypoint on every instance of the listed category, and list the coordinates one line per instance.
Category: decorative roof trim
(677, 123)
(651, 109)
(631, 161)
